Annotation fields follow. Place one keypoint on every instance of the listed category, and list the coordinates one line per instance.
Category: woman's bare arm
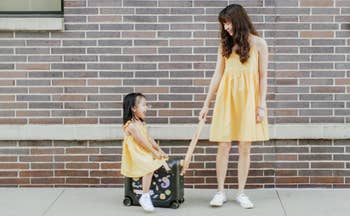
(263, 64)
(215, 81)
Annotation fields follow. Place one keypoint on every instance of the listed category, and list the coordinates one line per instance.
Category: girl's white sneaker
(146, 202)
(244, 201)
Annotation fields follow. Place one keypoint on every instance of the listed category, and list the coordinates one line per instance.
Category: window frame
(34, 13)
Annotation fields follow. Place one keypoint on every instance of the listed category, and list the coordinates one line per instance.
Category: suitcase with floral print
(166, 190)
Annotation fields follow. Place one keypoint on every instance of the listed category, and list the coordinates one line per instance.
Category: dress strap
(138, 127)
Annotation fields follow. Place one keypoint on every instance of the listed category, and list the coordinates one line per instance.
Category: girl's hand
(164, 155)
(260, 113)
(157, 155)
(203, 113)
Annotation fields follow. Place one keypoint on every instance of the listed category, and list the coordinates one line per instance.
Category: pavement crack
(53, 202)
(279, 198)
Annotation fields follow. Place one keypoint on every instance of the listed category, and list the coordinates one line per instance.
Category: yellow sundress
(137, 161)
(234, 116)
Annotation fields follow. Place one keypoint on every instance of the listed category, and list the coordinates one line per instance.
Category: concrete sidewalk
(108, 202)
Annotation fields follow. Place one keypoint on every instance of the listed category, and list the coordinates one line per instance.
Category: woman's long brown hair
(241, 26)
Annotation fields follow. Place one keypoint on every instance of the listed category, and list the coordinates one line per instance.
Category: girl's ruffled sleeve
(126, 125)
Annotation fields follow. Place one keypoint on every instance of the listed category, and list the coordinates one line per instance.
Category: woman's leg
(243, 164)
(146, 182)
(222, 162)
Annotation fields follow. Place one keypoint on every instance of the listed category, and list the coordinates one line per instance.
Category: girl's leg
(221, 163)
(146, 182)
(243, 164)
(145, 199)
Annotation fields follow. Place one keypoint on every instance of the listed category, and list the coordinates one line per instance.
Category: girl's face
(140, 108)
(228, 27)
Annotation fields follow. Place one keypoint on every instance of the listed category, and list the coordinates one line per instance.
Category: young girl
(141, 155)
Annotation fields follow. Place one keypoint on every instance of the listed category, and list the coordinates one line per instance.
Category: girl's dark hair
(241, 26)
(128, 103)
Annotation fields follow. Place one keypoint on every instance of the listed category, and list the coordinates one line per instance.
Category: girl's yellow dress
(137, 161)
(234, 116)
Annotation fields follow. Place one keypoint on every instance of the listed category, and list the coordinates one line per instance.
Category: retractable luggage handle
(185, 163)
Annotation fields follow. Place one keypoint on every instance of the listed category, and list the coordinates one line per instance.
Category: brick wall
(285, 163)
(167, 50)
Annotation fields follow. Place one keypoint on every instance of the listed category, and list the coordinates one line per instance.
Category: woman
(240, 84)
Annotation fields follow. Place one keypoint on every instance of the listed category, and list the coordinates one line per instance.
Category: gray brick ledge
(163, 132)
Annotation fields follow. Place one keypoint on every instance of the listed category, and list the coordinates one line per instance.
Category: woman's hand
(260, 113)
(203, 113)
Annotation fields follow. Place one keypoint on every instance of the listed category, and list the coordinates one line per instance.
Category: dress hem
(139, 176)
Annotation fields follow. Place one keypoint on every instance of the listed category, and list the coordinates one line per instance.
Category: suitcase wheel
(182, 200)
(127, 201)
(175, 205)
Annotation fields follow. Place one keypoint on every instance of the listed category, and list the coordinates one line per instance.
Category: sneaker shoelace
(244, 198)
(219, 195)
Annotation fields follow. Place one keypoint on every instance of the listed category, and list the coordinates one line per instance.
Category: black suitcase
(166, 190)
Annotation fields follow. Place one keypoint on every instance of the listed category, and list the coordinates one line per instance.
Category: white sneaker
(244, 201)
(219, 199)
(146, 202)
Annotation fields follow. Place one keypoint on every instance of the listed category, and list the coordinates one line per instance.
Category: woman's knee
(244, 148)
(224, 147)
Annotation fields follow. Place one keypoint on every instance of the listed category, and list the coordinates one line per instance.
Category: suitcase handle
(191, 147)
(166, 166)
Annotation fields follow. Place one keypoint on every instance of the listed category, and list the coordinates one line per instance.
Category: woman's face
(140, 108)
(228, 27)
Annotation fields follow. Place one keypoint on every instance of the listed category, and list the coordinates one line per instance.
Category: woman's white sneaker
(244, 201)
(146, 202)
(219, 199)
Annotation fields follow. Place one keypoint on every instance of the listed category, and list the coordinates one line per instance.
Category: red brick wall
(167, 49)
(278, 163)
